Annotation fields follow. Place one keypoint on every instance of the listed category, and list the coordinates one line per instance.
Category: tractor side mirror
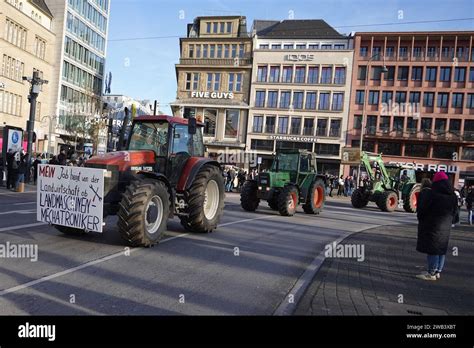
(192, 126)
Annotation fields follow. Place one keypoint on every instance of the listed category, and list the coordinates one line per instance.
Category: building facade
(27, 42)
(421, 110)
(300, 90)
(213, 77)
(81, 28)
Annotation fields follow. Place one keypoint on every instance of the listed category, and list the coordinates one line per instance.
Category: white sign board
(260, 160)
(71, 197)
(15, 140)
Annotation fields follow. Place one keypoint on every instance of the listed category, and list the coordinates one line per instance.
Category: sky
(145, 68)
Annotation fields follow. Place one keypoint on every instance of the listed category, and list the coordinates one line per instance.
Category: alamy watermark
(346, 251)
(233, 156)
(401, 109)
(19, 251)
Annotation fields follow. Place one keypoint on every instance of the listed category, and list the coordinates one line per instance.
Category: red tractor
(161, 174)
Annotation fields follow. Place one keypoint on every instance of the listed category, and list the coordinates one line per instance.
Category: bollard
(21, 187)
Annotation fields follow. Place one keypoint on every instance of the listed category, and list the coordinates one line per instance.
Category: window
(328, 149)
(262, 74)
(274, 74)
(376, 73)
(389, 51)
(234, 51)
(217, 81)
(412, 125)
(188, 81)
(387, 97)
(417, 51)
(443, 99)
(209, 82)
(295, 125)
(311, 100)
(238, 83)
(428, 99)
(231, 123)
(417, 73)
(398, 123)
(445, 74)
(226, 51)
(285, 97)
(262, 145)
(241, 50)
(339, 46)
(390, 148)
(371, 125)
(276, 46)
(444, 151)
(195, 81)
(403, 52)
(384, 125)
(335, 130)
(283, 125)
(308, 127)
(417, 150)
(322, 129)
(457, 100)
(431, 73)
(189, 113)
(426, 124)
(300, 46)
(364, 51)
(298, 100)
(260, 99)
(208, 27)
(415, 97)
(326, 47)
(287, 76)
(470, 101)
(222, 27)
(300, 74)
(231, 82)
(403, 73)
(288, 46)
(191, 51)
(337, 101)
(357, 122)
(219, 51)
(272, 99)
(460, 74)
(362, 72)
(324, 101)
(326, 74)
(263, 46)
(455, 126)
(373, 98)
(440, 125)
(258, 124)
(313, 74)
(270, 124)
(210, 118)
(401, 97)
(235, 82)
(229, 27)
(390, 74)
(313, 46)
(215, 26)
(376, 52)
(359, 99)
(471, 74)
(340, 76)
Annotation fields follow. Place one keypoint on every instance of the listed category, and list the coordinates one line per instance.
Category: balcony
(230, 62)
(415, 135)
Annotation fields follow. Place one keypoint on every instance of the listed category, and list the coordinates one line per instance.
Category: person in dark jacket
(469, 203)
(436, 208)
(1, 170)
(22, 169)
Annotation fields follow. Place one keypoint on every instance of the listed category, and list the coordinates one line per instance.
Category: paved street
(274, 252)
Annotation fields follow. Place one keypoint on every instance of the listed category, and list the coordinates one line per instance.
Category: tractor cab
(294, 162)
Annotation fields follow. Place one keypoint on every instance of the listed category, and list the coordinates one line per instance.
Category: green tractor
(389, 186)
(292, 180)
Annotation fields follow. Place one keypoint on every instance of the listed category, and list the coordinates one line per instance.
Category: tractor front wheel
(316, 198)
(205, 199)
(388, 201)
(249, 196)
(144, 212)
(288, 201)
(411, 201)
(359, 199)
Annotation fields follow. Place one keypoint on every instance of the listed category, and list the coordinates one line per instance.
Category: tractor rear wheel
(249, 196)
(143, 212)
(288, 201)
(205, 200)
(388, 201)
(411, 201)
(359, 199)
(316, 198)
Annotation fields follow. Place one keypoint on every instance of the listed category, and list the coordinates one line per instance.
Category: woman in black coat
(435, 211)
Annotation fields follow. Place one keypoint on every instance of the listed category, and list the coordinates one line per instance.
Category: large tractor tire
(288, 201)
(410, 202)
(70, 231)
(249, 196)
(316, 198)
(388, 201)
(205, 200)
(359, 199)
(143, 212)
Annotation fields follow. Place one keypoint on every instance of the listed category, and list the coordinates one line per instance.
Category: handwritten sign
(71, 197)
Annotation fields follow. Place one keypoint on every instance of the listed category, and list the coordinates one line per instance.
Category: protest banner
(71, 197)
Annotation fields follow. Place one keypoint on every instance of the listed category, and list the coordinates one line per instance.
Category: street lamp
(364, 107)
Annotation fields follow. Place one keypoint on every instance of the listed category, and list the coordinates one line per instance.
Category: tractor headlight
(260, 188)
(268, 188)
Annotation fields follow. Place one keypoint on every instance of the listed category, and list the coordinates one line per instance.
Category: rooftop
(40, 4)
(296, 29)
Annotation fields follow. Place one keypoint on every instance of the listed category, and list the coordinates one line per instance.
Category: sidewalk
(375, 286)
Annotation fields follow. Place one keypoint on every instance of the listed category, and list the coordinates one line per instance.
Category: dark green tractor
(388, 186)
(292, 180)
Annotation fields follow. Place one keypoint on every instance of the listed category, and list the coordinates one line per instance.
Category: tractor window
(181, 140)
(304, 164)
(286, 162)
(198, 143)
(150, 136)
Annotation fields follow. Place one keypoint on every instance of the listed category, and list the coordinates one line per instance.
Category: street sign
(350, 156)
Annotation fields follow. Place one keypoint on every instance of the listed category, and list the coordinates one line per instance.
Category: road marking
(21, 212)
(95, 262)
(13, 228)
(13, 193)
(26, 203)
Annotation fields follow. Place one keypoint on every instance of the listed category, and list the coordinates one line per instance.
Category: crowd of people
(342, 186)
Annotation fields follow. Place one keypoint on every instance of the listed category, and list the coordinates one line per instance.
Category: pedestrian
(457, 212)
(469, 204)
(62, 158)
(347, 186)
(1, 170)
(231, 179)
(22, 170)
(340, 190)
(13, 162)
(332, 184)
(35, 168)
(54, 161)
(435, 210)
